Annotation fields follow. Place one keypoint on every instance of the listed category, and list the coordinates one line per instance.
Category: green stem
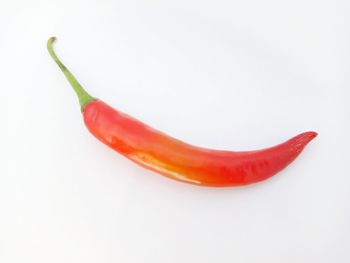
(83, 96)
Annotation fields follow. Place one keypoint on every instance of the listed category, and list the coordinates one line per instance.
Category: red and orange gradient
(173, 158)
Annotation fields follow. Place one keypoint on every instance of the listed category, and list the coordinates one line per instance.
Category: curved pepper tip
(307, 136)
(301, 140)
(311, 134)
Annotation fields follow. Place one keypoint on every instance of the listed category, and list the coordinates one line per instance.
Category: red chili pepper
(175, 159)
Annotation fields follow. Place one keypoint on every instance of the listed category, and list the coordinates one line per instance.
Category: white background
(233, 75)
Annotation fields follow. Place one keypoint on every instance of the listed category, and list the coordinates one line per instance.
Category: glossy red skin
(183, 162)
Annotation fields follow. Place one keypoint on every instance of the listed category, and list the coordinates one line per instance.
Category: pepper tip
(312, 134)
(306, 137)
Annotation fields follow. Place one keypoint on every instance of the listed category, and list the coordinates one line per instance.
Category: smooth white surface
(233, 75)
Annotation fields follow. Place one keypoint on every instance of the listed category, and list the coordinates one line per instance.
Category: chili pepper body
(178, 160)
(175, 159)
